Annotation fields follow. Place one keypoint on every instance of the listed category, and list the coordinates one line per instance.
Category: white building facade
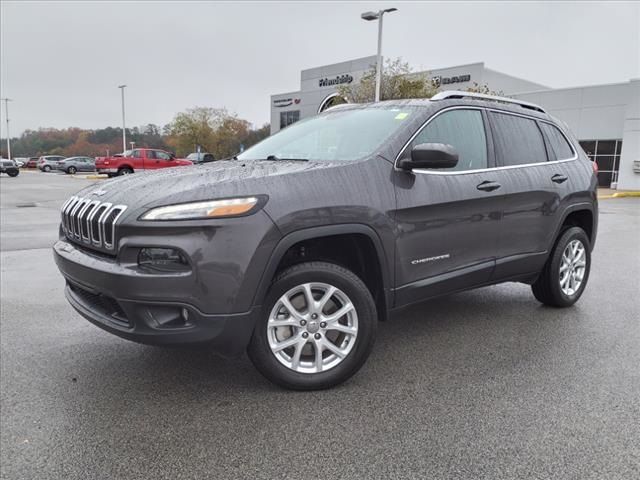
(604, 118)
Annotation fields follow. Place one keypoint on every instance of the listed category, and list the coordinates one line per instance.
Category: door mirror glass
(430, 155)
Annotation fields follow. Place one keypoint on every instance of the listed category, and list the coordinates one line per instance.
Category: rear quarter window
(518, 140)
(560, 148)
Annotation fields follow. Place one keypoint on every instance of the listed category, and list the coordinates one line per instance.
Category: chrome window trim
(489, 169)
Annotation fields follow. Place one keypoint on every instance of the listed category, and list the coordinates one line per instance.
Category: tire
(125, 171)
(72, 170)
(111, 175)
(13, 174)
(547, 288)
(334, 369)
(46, 168)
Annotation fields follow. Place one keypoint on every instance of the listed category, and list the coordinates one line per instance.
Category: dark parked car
(296, 248)
(9, 167)
(77, 164)
(46, 163)
(200, 157)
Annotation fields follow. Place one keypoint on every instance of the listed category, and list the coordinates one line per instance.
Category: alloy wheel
(312, 328)
(572, 267)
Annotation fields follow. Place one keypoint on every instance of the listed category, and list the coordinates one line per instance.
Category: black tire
(547, 287)
(125, 171)
(72, 170)
(13, 174)
(265, 360)
(46, 168)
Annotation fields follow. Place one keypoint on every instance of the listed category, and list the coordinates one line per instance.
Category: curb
(90, 177)
(620, 195)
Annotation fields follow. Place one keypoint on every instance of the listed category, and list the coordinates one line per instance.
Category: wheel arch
(583, 215)
(314, 233)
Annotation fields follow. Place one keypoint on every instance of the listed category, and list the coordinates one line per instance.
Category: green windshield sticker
(401, 116)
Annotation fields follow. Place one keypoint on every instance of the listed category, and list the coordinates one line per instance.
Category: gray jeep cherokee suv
(295, 249)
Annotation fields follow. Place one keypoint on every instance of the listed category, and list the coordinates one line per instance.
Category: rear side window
(560, 148)
(518, 140)
(463, 130)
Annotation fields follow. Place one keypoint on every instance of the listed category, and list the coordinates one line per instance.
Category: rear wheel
(72, 170)
(564, 276)
(317, 328)
(125, 171)
(46, 168)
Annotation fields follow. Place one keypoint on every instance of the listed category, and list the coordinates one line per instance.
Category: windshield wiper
(273, 157)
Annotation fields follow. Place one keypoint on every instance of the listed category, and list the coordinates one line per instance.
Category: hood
(200, 182)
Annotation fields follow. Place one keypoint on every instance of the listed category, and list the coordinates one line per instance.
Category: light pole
(369, 16)
(6, 114)
(124, 131)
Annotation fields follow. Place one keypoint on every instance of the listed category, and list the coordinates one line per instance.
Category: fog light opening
(163, 260)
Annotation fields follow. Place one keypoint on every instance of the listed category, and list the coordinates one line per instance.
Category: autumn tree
(194, 127)
(398, 81)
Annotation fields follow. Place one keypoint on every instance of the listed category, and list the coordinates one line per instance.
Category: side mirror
(430, 155)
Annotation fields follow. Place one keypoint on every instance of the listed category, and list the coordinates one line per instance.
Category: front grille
(91, 221)
(103, 304)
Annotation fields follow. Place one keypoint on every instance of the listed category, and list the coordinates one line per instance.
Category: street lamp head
(368, 16)
(121, 86)
(389, 10)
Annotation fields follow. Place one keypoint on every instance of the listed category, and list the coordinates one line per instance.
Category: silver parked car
(46, 163)
(77, 164)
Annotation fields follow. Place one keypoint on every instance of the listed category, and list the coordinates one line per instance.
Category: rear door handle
(559, 178)
(488, 186)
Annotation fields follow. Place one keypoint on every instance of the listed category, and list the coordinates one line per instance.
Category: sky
(61, 62)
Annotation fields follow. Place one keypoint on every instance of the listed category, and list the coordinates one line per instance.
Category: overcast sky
(62, 61)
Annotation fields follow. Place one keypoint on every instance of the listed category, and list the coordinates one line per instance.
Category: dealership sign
(448, 80)
(338, 80)
(285, 102)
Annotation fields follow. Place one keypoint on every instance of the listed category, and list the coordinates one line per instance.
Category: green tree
(194, 127)
(398, 81)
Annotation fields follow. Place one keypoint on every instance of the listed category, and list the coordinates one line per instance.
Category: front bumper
(118, 299)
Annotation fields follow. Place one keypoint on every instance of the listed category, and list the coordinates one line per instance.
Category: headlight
(231, 207)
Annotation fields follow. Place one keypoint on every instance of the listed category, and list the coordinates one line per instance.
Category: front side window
(464, 131)
(518, 140)
(560, 148)
(341, 135)
(136, 154)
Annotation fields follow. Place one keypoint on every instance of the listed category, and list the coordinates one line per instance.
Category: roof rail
(449, 94)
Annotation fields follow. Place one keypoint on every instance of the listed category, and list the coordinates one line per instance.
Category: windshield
(336, 136)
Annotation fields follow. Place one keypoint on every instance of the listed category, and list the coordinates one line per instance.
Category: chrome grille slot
(91, 222)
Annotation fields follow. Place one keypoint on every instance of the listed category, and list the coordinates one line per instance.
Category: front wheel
(13, 173)
(564, 276)
(317, 329)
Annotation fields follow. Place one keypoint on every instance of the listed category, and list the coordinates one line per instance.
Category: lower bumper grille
(102, 304)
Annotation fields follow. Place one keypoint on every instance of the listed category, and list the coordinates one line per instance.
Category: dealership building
(604, 118)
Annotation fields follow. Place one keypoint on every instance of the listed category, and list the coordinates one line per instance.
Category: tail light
(594, 165)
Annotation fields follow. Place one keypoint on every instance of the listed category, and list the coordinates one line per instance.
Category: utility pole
(6, 114)
(124, 131)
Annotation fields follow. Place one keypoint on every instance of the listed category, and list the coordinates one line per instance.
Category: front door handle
(488, 186)
(559, 178)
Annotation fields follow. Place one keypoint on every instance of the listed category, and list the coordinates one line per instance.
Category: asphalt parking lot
(486, 384)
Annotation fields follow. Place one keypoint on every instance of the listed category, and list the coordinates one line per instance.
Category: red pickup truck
(138, 159)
